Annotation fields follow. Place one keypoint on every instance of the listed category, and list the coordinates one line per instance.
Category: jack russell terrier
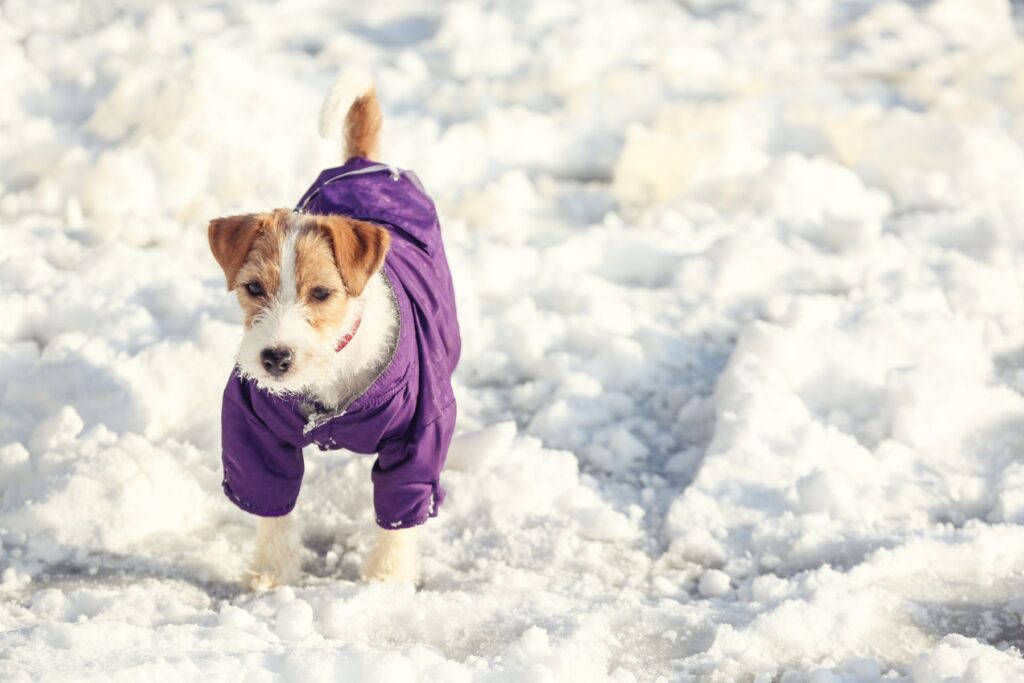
(350, 341)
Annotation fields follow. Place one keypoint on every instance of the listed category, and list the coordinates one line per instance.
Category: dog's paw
(388, 570)
(264, 575)
(393, 558)
(259, 582)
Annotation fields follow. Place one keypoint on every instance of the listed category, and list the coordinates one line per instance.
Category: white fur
(352, 84)
(288, 292)
(393, 558)
(278, 556)
(283, 323)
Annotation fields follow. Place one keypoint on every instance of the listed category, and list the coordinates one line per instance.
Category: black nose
(276, 361)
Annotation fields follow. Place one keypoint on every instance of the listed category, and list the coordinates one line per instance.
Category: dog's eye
(320, 293)
(255, 288)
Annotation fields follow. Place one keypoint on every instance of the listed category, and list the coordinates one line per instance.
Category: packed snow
(740, 286)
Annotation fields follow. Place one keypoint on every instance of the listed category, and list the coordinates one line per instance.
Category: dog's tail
(351, 112)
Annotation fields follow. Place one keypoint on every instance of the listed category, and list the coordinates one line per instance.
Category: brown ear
(359, 249)
(230, 240)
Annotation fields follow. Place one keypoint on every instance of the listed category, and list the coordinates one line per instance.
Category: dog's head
(298, 278)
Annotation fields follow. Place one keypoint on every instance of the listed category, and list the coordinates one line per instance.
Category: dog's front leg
(278, 556)
(393, 557)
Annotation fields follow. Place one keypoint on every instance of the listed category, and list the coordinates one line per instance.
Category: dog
(350, 341)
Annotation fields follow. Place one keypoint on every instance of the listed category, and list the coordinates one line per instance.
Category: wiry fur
(366, 355)
(286, 317)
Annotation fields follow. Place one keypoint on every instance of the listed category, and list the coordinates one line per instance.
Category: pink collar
(348, 337)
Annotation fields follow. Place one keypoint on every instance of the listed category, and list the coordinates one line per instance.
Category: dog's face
(297, 277)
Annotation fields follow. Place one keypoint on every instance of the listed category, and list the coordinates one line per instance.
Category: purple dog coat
(407, 416)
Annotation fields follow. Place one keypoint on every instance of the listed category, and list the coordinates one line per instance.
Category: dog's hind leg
(278, 557)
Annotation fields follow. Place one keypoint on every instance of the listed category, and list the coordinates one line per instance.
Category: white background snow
(740, 285)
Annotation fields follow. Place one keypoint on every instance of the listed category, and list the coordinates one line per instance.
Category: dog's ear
(359, 249)
(231, 238)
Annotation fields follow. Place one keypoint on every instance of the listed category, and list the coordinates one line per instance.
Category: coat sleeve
(406, 477)
(262, 459)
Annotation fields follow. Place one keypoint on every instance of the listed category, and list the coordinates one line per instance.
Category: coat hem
(395, 526)
(255, 509)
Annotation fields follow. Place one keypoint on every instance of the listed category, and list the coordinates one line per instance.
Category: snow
(714, 583)
(740, 287)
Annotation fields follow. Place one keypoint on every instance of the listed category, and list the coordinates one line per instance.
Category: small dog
(350, 341)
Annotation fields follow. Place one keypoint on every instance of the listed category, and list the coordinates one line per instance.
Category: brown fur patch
(315, 267)
(262, 264)
(231, 239)
(359, 248)
(362, 127)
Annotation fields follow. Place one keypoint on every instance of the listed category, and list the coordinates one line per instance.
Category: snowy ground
(740, 286)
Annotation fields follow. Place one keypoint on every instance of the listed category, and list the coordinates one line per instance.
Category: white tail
(351, 112)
